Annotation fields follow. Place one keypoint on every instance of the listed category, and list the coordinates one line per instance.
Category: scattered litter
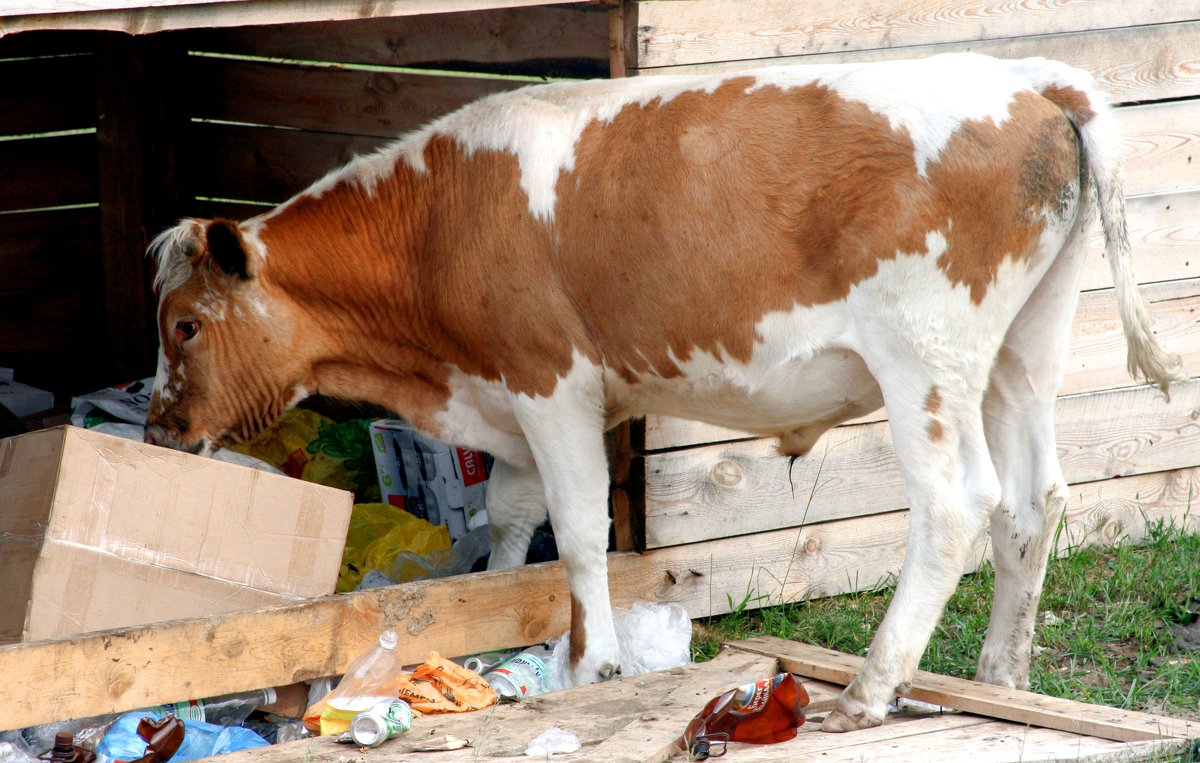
(551, 741)
(904, 704)
(763, 712)
(199, 739)
(651, 637)
(434, 744)
(524, 674)
(366, 683)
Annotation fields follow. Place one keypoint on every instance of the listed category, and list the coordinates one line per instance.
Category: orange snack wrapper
(435, 686)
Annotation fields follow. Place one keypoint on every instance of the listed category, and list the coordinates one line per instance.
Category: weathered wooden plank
(1168, 64)
(48, 172)
(47, 95)
(374, 103)
(984, 699)
(1162, 146)
(747, 487)
(954, 737)
(1165, 232)
(145, 18)
(553, 41)
(138, 667)
(263, 164)
(121, 670)
(139, 188)
(698, 31)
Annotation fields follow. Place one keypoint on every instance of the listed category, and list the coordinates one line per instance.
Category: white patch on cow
(928, 98)
(541, 125)
(480, 414)
(167, 388)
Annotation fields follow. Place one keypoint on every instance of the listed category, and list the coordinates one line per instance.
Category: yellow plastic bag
(378, 534)
(293, 445)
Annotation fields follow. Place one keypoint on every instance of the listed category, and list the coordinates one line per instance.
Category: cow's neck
(348, 260)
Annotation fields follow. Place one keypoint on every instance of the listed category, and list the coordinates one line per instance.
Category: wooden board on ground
(639, 718)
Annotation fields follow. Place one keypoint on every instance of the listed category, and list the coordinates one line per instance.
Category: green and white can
(382, 722)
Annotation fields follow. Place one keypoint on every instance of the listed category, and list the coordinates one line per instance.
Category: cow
(776, 250)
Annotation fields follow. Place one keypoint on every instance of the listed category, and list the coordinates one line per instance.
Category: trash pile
(374, 701)
(418, 513)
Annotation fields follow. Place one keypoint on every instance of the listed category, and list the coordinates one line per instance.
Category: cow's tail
(1075, 92)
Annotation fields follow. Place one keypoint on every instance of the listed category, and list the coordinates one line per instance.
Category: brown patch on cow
(682, 224)
(578, 633)
(1073, 100)
(933, 404)
(933, 400)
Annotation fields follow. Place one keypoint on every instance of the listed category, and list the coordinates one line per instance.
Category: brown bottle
(766, 711)
(65, 751)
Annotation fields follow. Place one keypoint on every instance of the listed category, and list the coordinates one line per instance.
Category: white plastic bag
(651, 637)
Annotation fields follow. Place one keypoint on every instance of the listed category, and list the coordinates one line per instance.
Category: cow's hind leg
(566, 434)
(952, 487)
(516, 505)
(1018, 419)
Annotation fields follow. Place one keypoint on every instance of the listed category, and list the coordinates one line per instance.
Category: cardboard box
(430, 479)
(98, 532)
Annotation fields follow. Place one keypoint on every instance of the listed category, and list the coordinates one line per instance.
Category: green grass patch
(1107, 625)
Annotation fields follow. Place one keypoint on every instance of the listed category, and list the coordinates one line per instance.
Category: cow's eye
(185, 330)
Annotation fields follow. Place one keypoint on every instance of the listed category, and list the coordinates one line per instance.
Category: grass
(1104, 630)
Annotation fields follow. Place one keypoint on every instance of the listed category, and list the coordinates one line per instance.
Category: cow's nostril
(156, 434)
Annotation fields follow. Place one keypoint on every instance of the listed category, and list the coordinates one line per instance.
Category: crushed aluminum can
(384, 721)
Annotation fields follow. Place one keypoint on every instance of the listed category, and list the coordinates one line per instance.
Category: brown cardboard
(98, 532)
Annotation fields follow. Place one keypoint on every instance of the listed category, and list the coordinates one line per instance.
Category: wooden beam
(983, 699)
(1168, 66)
(617, 38)
(149, 17)
(544, 41)
(676, 32)
(139, 189)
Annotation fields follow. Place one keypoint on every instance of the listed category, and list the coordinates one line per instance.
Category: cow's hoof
(837, 722)
(608, 671)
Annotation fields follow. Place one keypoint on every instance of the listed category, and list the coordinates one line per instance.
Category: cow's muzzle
(157, 434)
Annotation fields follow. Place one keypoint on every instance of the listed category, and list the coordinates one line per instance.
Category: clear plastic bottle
(224, 710)
(522, 675)
(363, 685)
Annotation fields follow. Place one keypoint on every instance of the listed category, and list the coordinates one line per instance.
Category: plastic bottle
(65, 751)
(224, 710)
(363, 685)
(522, 675)
(766, 711)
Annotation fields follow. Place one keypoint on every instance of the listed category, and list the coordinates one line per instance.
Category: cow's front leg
(566, 434)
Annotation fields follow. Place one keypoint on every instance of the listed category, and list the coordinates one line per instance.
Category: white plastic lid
(388, 639)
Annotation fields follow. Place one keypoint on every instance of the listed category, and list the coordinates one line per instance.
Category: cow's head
(227, 364)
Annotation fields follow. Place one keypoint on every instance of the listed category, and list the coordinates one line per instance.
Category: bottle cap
(388, 639)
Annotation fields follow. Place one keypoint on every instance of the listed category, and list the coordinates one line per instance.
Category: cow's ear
(226, 248)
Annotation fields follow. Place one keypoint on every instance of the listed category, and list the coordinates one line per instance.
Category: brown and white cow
(776, 251)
